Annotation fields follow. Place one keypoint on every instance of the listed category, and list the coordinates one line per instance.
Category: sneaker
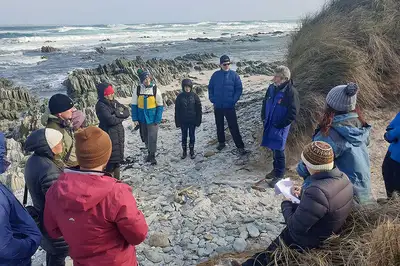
(273, 182)
(221, 146)
(270, 175)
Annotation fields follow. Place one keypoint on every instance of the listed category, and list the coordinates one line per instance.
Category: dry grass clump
(349, 40)
(370, 237)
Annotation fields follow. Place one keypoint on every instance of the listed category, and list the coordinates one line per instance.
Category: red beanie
(109, 90)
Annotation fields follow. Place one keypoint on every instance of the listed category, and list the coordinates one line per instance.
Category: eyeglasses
(226, 64)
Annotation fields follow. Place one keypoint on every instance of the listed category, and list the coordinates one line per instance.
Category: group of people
(81, 209)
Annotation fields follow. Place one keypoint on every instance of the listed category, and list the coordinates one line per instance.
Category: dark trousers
(114, 170)
(55, 259)
(185, 128)
(279, 163)
(231, 118)
(141, 133)
(265, 257)
(391, 175)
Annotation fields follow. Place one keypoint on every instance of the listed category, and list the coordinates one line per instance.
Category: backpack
(154, 90)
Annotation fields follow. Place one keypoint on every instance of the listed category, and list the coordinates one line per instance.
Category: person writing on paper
(326, 199)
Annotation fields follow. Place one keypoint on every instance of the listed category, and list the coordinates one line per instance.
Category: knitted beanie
(187, 83)
(93, 147)
(59, 103)
(53, 137)
(343, 98)
(143, 75)
(318, 156)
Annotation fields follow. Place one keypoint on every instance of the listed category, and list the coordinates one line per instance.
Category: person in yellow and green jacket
(147, 109)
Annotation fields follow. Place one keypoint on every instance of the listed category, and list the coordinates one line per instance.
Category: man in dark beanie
(111, 114)
(224, 90)
(96, 214)
(61, 108)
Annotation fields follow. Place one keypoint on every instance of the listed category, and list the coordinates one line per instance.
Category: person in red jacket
(95, 213)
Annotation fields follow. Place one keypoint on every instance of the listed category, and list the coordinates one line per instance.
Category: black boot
(221, 146)
(148, 157)
(184, 152)
(192, 155)
(153, 160)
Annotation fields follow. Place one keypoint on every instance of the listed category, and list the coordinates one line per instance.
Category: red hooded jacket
(97, 216)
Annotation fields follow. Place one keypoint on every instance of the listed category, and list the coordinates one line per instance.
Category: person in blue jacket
(280, 108)
(3, 152)
(391, 163)
(147, 109)
(344, 128)
(19, 235)
(224, 90)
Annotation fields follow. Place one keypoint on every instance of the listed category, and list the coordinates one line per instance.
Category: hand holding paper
(284, 187)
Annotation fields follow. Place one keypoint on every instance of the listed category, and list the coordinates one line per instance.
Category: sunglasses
(226, 64)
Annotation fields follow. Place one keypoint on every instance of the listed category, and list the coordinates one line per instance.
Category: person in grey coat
(41, 171)
(326, 200)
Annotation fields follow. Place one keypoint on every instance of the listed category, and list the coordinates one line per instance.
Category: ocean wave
(17, 59)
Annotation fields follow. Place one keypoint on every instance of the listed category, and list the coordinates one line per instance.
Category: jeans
(279, 163)
(391, 175)
(231, 118)
(192, 137)
(265, 257)
(150, 132)
(55, 259)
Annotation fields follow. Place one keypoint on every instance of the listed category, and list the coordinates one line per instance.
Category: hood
(347, 125)
(36, 142)
(82, 190)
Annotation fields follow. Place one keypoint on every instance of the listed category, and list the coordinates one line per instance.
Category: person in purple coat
(280, 108)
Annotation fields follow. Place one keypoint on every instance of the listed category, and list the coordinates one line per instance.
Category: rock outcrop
(257, 67)
(49, 49)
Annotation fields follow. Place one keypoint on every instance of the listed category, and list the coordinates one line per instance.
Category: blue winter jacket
(225, 89)
(19, 235)
(349, 140)
(392, 136)
(279, 110)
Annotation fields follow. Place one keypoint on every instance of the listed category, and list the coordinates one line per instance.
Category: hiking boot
(221, 146)
(270, 175)
(184, 152)
(273, 182)
(242, 151)
(192, 155)
(153, 160)
(148, 157)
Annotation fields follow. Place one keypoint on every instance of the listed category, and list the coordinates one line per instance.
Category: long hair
(326, 121)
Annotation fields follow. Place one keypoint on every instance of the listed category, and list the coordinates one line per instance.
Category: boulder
(101, 49)
(49, 49)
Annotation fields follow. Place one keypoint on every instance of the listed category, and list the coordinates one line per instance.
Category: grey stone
(208, 154)
(244, 234)
(167, 249)
(239, 245)
(253, 230)
(202, 243)
(153, 256)
(192, 246)
(195, 240)
(201, 252)
(229, 238)
(178, 250)
(159, 240)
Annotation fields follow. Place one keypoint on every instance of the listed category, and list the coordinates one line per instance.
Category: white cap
(53, 137)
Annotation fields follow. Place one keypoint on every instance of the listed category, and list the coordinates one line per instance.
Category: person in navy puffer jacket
(224, 90)
(391, 164)
(19, 235)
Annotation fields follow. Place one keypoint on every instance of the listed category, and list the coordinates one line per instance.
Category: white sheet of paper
(283, 187)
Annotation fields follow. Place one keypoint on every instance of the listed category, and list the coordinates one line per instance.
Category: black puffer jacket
(188, 109)
(111, 114)
(324, 207)
(41, 171)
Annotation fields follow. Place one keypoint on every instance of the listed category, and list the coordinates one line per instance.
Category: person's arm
(122, 111)
(48, 179)
(292, 109)
(50, 224)
(313, 206)
(199, 111)
(211, 87)
(134, 104)
(159, 107)
(106, 117)
(238, 88)
(263, 104)
(177, 112)
(129, 219)
(12, 248)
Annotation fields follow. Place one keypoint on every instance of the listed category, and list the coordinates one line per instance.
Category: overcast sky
(76, 12)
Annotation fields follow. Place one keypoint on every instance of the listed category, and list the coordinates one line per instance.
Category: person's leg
(117, 172)
(184, 129)
(55, 259)
(141, 133)
(231, 118)
(144, 134)
(152, 141)
(110, 167)
(279, 163)
(390, 171)
(219, 121)
(192, 137)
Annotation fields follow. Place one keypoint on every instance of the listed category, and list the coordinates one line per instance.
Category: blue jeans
(279, 163)
(192, 137)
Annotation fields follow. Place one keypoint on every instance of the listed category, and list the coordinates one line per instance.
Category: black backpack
(154, 90)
